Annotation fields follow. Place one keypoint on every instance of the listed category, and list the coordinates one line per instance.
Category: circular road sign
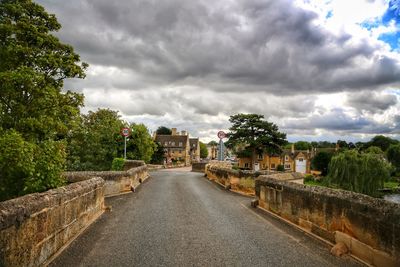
(125, 132)
(221, 135)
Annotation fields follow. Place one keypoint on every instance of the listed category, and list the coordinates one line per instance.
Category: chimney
(292, 148)
(173, 131)
(183, 132)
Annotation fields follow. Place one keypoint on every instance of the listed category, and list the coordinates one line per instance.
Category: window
(180, 143)
(272, 166)
(286, 158)
(180, 151)
(287, 166)
(173, 143)
(260, 156)
(263, 166)
(166, 143)
(300, 159)
(246, 165)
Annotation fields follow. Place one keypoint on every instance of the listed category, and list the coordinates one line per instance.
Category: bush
(308, 178)
(27, 167)
(118, 164)
(280, 168)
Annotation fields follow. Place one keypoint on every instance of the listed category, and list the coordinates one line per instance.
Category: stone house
(178, 147)
(292, 160)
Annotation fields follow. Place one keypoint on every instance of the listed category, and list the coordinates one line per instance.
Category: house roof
(169, 141)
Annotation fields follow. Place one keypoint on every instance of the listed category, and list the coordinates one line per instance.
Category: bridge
(179, 218)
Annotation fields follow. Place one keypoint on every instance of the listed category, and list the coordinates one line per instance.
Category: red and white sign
(221, 135)
(125, 132)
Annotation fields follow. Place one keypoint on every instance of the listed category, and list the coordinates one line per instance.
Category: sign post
(125, 133)
(221, 135)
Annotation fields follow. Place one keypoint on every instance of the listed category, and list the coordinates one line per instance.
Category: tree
(33, 109)
(381, 141)
(213, 143)
(97, 141)
(359, 172)
(393, 155)
(302, 145)
(140, 146)
(158, 155)
(374, 150)
(203, 150)
(321, 162)
(164, 130)
(256, 133)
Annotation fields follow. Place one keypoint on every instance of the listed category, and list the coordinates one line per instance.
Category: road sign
(125, 132)
(221, 135)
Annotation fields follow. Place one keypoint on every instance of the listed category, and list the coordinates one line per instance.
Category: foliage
(118, 164)
(33, 65)
(97, 141)
(382, 142)
(34, 112)
(247, 183)
(393, 155)
(321, 162)
(359, 172)
(140, 146)
(203, 150)
(158, 155)
(302, 145)
(163, 130)
(256, 133)
(280, 168)
(308, 178)
(26, 167)
(374, 150)
(213, 143)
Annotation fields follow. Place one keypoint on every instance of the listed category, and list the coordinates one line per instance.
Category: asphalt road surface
(179, 218)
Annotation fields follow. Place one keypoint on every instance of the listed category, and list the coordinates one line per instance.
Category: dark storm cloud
(191, 64)
(255, 45)
(372, 101)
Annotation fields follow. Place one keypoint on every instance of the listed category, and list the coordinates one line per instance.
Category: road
(179, 218)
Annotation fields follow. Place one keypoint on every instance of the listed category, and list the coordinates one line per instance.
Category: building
(194, 149)
(291, 160)
(178, 147)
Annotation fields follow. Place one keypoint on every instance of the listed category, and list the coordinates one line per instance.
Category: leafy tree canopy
(256, 133)
(203, 150)
(213, 143)
(302, 145)
(158, 155)
(359, 172)
(382, 142)
(321, 162)
(97, 141)
(164, 130)
(140, 146)
(393, 155)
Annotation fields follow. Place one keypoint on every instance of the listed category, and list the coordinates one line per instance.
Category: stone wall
(199, 166)
(34, 227)
(369, 227)
(243, 181)
(129, 164)
(116, 182)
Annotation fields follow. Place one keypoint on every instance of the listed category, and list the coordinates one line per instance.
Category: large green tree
(97, 141)
(140, 146)
(163, 130)
(257, 134)
(359, 172)
(393, 155)
(383, 142)
(321, 162)
(203, 150)
(33, 108)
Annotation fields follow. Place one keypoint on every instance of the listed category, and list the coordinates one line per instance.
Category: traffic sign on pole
(221, 135)
(125, 132)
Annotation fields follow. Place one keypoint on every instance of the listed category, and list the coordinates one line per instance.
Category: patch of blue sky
(393, 39)
(329, 14)
(394, 91)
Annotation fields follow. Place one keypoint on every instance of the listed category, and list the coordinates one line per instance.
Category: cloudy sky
(320, 69)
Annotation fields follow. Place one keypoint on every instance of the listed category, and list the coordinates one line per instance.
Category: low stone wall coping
(15, 211)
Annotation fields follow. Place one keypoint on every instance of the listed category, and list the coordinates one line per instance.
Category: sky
(319, 69)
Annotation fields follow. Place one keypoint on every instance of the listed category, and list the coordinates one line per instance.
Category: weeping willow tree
(359, 172)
